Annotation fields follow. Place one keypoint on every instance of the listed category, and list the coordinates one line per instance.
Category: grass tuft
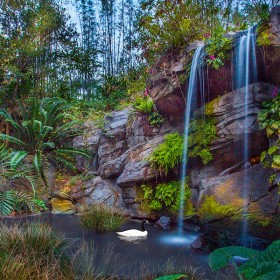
(101, 218)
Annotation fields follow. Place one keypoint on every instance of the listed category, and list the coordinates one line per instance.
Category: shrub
(155, 119)
(102, 219)
(216, 48)
(166, 196)
(169, 153)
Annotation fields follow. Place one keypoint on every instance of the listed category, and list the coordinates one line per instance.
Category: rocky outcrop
(121, 148)
(257, 193)
(168, 84)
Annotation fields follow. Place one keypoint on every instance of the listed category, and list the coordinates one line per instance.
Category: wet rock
(163, 223)
(209, 241)
(191, 227)
(62, 206)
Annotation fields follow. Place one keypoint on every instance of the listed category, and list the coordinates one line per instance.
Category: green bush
(166, 196)
(260, 266)
(216, 48)
(169, 153)
(102, 219)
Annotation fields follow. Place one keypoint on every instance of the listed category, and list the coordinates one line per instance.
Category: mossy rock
(62, 206)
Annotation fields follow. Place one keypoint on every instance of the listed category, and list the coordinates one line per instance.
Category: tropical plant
(19, 202)
(269, 119)
(167, 196)
(41, 132)
(101, 218)
(260, 265)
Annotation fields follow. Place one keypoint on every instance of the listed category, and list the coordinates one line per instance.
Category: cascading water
(192, 90)
(245, 74)
(196, 77)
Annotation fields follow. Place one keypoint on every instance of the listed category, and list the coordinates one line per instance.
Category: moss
(211, 209)
(209, 107)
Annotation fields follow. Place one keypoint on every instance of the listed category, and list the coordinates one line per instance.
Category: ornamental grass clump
(34, 252)
(101, 218)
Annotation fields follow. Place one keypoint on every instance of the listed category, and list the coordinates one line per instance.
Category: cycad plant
(13, 175)
(41, 132)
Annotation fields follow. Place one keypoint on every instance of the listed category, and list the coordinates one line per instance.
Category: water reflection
(133, 239)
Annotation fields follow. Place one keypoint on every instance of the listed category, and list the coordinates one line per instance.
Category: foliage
(42, 133)
(167, 154)
(269, 119)
(166, 196)
(216, 48)
(155, 119)
(19, 202)
(211, 209)
(101, 219)
(167, 25)
(144, 105)
(263, 38)
(202, 133)
(261, 265)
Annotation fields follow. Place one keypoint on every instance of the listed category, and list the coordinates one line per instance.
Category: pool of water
(159, 251)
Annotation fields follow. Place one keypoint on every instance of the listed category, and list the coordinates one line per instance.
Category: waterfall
(245, 74)
(191, 98)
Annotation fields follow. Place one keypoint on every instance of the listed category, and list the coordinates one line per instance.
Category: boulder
(163, 223)
(103, 191)
(62, 206)
(113, 139)
(262, 195)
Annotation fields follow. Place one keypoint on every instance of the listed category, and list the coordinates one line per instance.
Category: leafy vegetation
(166, 196)
(168, 154)
(269, 119)
(101, 218)
(202, 133)
(216, 48)
(261, 265)
(40, 132)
